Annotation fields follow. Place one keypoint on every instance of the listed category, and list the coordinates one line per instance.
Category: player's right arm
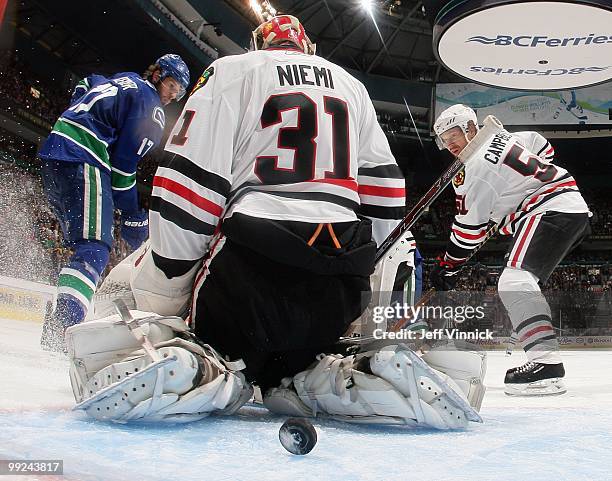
(190, 192)
(382, 191)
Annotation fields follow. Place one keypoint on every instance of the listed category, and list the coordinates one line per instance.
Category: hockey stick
(490, 127)
(402, 323)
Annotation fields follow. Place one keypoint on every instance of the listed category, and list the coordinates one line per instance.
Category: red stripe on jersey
(187, 194)
(346, 183)
(535, 330)
(506, 229)
(517, 255)
(382, 191)
(548, 191)
(458, 233)
(550, 151)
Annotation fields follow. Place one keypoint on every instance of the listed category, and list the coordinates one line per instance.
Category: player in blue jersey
(89, 170)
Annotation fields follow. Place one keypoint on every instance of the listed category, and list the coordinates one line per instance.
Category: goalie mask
(455, 116)
(281, 29)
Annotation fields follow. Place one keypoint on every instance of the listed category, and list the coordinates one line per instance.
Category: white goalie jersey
(273, 134)
(505, 182)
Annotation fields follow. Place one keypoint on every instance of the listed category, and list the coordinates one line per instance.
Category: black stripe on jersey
(172, 267)
(203, 177)
(382, 212)
(470, 227)
(539, 341)
(546, 147)
(390, 171)
(320, 196)
(544, 187)
(178, 216)
(453, 250)
(547, 197)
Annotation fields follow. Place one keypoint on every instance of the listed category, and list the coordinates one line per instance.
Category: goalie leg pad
(119, 393)
(466, 368)
(183, 386)
(97, 344)
(389, 386)
(114, 379)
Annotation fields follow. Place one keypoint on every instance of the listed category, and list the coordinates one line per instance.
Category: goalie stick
(402, 323)
(490, 127)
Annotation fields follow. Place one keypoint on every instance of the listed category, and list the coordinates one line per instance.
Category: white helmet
(456, 116)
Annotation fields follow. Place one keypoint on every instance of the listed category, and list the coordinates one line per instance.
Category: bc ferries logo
(540, 40)
(514, 44)
(524, 71)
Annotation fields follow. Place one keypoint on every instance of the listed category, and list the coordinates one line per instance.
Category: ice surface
(561, 438)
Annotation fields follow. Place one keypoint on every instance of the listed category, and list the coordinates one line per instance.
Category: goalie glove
(444, 274)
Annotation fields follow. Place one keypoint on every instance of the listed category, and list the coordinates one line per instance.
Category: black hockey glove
(444, 274)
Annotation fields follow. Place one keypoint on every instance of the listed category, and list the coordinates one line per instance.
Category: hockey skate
(535, 379)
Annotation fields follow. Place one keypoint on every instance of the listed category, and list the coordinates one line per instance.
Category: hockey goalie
(136, 365)
(264, 228)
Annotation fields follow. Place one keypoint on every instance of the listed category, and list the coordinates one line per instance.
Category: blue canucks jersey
(111, 123)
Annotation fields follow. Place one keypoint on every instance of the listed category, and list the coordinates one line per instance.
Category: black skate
(52, 337)
(535, 379)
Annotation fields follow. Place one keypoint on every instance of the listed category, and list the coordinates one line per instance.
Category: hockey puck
(297, 436)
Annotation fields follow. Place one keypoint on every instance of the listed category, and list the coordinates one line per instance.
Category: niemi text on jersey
(300, 74)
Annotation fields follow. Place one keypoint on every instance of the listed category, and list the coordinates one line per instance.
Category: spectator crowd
(19, 84)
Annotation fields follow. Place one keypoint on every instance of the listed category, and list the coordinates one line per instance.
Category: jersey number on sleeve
(301, 139)
(529, 165)
(460, 204)
(181, 137)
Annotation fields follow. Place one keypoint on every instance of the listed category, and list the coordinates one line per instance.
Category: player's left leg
(539, 244)
(81, 198)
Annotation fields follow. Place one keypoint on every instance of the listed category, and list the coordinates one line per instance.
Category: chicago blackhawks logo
(459, 179)
(203, 79)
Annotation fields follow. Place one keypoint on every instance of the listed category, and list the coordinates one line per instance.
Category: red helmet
(279, 29)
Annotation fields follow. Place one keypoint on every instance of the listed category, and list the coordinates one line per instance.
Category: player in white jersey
(512, 183)
(265, 223)
(277, 153)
